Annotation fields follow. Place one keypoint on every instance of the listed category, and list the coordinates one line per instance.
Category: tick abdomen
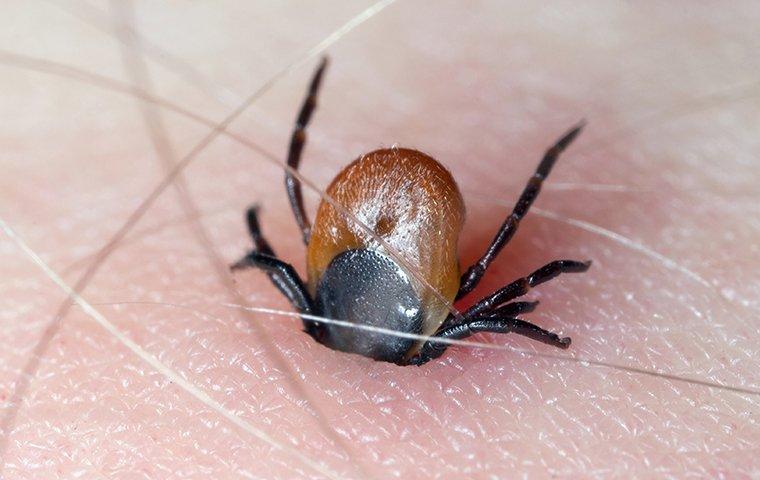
(412, 204)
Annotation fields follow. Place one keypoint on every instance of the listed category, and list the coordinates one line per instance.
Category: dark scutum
(366, 287)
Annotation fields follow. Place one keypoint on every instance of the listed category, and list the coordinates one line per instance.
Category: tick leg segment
(288, 282)
(262, 246)
(514, 309)
(472, 276)
(260, 243)
(433, 349)
(297, 141)
(520, 287)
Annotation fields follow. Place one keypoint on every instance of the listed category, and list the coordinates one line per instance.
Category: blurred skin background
(100, 99)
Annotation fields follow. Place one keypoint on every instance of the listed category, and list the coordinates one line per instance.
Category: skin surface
(660, 192)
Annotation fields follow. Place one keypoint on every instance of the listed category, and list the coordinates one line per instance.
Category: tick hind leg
(472, 276)
(297, 141)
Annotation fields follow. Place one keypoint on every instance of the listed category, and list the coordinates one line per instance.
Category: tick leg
(254, 229)
(288, 281)
(490, 305)
(513, 309)
(262, 246)
(433, 349)
(520, 287)
(472, 276)
(297, 141)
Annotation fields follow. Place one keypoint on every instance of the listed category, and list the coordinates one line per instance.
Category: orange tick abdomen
(411, 202)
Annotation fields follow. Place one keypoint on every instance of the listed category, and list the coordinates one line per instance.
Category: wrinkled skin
(671, 97)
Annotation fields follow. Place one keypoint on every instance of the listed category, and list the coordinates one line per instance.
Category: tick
(413, 205)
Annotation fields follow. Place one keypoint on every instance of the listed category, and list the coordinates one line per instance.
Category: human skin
(660, 191)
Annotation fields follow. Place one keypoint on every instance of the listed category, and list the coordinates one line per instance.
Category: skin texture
(660, 192)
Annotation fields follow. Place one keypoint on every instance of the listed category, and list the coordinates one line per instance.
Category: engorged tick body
(414, 209)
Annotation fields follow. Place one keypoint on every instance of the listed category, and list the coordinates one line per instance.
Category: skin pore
(660, 191)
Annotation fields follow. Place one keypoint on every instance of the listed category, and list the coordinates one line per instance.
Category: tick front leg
(288, 281)
(261, 245)
(513, 309)
(254, 229)
(434, 349)
(521, 286)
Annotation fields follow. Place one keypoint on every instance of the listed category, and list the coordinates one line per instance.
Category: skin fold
(660, 191)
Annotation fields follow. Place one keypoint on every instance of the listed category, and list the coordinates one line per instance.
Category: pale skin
(660, 191)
